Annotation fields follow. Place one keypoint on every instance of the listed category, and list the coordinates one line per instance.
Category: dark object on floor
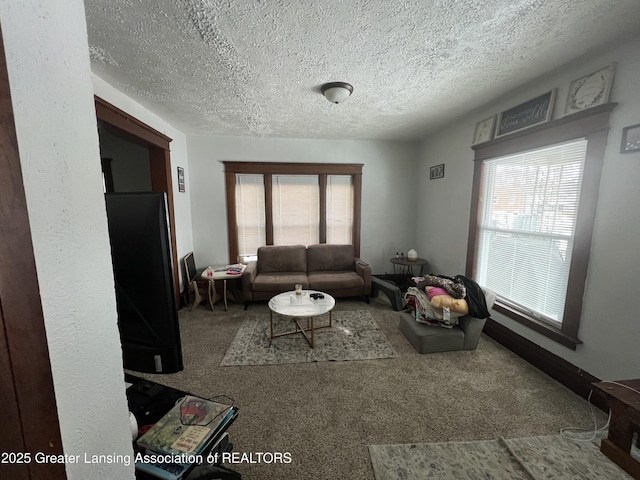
(212, 472)
(403, 282)
(144, 284)
(390, 290)
(149, 402)
(624, 402)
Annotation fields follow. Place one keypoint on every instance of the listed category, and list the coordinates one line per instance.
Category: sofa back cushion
(325, 258)
(282, 258)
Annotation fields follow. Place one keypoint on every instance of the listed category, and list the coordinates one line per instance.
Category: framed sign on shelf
(590, 91)
(484, 130)
(527, 114)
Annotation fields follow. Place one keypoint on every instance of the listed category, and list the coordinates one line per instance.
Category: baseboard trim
(572, 377)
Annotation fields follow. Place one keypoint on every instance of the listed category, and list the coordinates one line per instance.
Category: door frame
(27, 399)
(139, 132)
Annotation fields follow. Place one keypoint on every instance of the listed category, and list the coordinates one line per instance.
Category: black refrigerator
(144, 282)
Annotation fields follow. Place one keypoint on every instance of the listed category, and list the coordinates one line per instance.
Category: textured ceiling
(254, 67)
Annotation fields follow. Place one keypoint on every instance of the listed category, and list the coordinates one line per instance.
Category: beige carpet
(325, 414)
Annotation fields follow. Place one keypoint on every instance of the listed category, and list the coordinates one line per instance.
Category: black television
(144, 282)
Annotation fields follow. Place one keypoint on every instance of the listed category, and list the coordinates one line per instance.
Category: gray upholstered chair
(432, 339)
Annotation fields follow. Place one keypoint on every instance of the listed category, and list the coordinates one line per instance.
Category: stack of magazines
(184, 437)
(235, 269)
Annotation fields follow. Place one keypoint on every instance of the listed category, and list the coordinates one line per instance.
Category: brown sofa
(332, 269)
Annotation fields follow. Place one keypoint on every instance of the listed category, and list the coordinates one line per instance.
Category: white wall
(178, 146)
(609, 326)
(388, 189)
(48, 63)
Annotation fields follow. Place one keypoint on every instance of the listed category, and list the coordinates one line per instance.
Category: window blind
(250, 213)
(296, 209)
(527, 218)
(339, 209)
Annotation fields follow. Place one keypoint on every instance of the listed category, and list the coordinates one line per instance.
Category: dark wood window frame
(268, 169)
(593, 125)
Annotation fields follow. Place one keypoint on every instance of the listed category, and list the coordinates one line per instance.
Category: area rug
(355, 335)
(530, 458)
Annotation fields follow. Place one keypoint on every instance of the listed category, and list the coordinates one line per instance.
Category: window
(296, 209)
(250, 213)
(339, 209)
(535, 195)
(527, 219)
(291, 203)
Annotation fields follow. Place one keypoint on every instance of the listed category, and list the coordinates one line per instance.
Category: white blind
(527, 219)
(296, 209)
(339, 209)
(250, 213)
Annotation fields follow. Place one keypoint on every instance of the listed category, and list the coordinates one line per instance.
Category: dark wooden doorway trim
(27, 399)
(123, 124)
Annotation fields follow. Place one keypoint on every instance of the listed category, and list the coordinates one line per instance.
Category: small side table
(211, 275)
(625, 421)
(406, 266)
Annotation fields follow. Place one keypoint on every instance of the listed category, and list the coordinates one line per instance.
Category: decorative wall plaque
(527, 114)
(590, 91)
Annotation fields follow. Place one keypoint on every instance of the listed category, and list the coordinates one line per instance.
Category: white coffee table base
(304, 308)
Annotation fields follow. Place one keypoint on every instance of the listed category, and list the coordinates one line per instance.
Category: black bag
(475, 297)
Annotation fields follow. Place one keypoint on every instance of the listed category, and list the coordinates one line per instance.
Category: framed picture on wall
(484, 131)
(590, 91)
(436, 172)
(181, 179)
(630, 139)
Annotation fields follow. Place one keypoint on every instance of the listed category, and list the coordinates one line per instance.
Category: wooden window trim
(592, 124)
(268, 169)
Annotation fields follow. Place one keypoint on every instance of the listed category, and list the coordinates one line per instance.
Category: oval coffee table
(298, 307)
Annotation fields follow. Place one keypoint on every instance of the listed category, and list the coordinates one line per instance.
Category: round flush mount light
(337, 92)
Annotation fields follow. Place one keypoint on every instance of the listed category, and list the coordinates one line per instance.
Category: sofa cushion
(279, 281)
(327, 257)
(332, 281)
(282, 258)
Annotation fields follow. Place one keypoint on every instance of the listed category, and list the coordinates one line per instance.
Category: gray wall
(388, 189)
(609, 327)
(129, 163)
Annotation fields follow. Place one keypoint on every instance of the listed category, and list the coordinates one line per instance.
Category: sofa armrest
(364, 270)
(472, 328)
(248, 276)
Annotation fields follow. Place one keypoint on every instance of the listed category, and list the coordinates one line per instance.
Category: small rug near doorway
(530, 458)
(355, 335)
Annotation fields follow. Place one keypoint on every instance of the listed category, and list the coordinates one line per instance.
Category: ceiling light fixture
(337, 92)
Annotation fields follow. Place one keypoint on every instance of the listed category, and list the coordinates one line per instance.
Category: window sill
(539, 326)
